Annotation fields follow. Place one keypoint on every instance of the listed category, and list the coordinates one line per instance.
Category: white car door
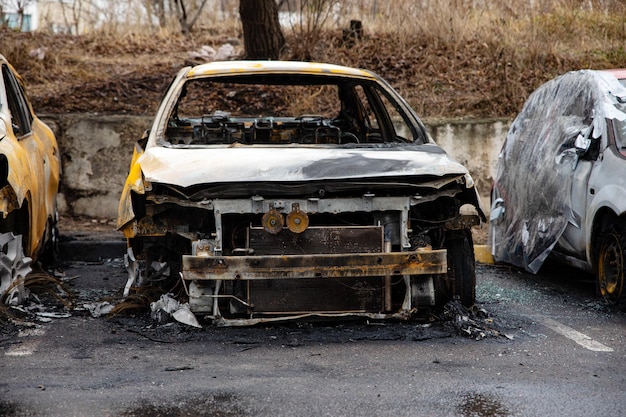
(573, 239)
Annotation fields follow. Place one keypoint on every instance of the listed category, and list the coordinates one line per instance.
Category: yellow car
(29, 181)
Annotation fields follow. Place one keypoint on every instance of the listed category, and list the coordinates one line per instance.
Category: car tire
(611, 259)
(50, 251)
(461, 266)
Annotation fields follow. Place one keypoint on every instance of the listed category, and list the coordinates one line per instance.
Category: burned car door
(584, 154)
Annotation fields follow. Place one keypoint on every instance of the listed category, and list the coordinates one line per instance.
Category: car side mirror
(497, 210)
(576, 147)
(583, 141)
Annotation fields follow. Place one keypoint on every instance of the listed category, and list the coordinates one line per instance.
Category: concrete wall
(476, 144)
(96, 152)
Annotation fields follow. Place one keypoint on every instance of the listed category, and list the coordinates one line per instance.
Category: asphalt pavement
(84, 245)
(542, 346)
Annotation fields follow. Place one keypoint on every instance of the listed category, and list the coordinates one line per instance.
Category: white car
(560, 189)
(278, 190)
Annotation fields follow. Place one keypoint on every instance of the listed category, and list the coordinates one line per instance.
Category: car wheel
(461, 266)
(14, 267)
(611, 258)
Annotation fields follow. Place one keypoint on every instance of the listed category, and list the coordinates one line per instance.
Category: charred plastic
(365, 248)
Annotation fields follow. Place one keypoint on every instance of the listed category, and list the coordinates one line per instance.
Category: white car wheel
(14, 267)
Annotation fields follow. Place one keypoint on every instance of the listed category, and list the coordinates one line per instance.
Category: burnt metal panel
(312, 294)
(317, 240)
(462, 222)
(314, 266)
(419, 164)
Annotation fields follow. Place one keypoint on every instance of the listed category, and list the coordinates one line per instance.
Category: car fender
(134, 184)
(42, 147)
(18, 175)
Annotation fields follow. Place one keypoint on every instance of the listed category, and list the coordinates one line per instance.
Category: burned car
(29, 182)
(280, 190)
(560, 189)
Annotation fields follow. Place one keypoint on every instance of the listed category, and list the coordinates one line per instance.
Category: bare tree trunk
(73, 21)
(262, 35)
(181, 12)
(156, 8)
(195, 18)
(21, 5)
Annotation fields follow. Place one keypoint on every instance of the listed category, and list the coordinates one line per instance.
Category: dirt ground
(117, 74)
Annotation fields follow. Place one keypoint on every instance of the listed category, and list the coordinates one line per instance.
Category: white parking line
(28, 344)
(580, 338)
(23, 349)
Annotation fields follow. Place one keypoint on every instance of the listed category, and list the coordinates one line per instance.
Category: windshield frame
(374, 90)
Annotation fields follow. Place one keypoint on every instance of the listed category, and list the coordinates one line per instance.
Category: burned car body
(560, 189)
(29, 180)
(286, 189)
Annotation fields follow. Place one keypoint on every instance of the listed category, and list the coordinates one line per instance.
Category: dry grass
(451, 58)
(44, 284)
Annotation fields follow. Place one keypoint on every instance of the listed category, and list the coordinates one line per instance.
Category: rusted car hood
(185, 167)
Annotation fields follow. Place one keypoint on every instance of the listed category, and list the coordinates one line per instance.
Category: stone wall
(96, 152)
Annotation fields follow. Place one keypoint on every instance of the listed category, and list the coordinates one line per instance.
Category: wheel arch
(608, 204)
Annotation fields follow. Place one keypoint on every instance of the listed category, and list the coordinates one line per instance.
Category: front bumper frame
(417, 268)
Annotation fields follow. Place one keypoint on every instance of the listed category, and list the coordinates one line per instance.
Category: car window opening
(224, 112)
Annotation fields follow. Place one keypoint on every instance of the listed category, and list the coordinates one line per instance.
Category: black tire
(461, 266)
(611, 260)
(50, 251)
